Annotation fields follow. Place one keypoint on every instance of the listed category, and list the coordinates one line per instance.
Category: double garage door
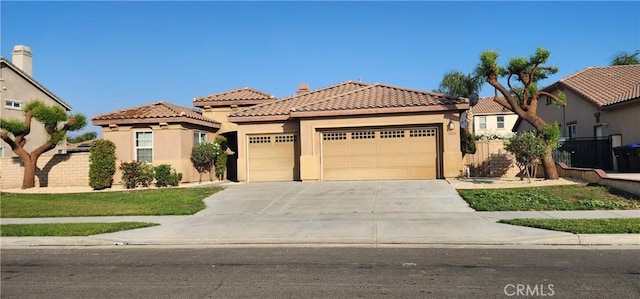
(374, 154)
(382, 154)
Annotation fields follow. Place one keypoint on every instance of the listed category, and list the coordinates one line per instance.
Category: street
(129, 272)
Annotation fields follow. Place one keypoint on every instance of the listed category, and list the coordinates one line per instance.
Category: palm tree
(624, 58)
(457, 84)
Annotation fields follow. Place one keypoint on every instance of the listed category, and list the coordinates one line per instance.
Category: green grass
(67, 229)
(572, 197)
(172, 201)
(583, 226)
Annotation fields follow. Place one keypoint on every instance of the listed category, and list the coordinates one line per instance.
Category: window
(363, 135)
(13, 104)
(422, 132)
(482, 122)
(199, 137)
(500, 122)
(334, 136)
(549, 100)
(144, 146)
(572, 130)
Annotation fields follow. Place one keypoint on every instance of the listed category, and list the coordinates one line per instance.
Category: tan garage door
(382, 154)
(272, 158)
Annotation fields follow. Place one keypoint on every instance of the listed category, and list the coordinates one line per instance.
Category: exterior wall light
(450, 125)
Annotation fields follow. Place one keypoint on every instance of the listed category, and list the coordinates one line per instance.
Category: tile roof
(379, 98)
(241, 96)
(154, 113)
(486, 106)
(280, 109)
(603, 86)
(35, 83)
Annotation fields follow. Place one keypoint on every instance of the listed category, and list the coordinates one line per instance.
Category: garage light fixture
(450, 125)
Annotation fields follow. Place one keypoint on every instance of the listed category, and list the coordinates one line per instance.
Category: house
(601, 102)
(350, 131)
(17, 89)
(158, 133)
(491, 118)
(347, 131)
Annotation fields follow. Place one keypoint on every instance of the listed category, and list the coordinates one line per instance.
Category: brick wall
(61, 170)
(491, 160)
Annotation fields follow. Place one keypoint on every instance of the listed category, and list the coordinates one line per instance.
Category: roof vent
(303, 88)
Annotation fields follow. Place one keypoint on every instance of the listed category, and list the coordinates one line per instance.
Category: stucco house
(350, 131)
(158, 133)
(347, 131)
(17, 89)
(601, 102)
(491, 118)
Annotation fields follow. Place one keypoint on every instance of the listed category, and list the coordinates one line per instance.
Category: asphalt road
(128, 272)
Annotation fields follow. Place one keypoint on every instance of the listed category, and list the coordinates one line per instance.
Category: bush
(467, 142)
(166, 176)
(137, 173)
(102, 164)
(221, 165)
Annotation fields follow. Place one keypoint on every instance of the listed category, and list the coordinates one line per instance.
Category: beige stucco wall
(309, 134)
(623, 120)
(53, 171)
(15, 87)
(492, 125)
(172, 145)
(221, 115)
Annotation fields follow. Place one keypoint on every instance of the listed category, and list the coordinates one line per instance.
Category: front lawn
(170, 201)
(68, 229)
(583, 226)
(571, 197)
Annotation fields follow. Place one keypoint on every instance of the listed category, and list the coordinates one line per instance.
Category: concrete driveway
(376, 212)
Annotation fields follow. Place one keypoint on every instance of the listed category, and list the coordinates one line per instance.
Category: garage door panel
(380, 154)
(272, 157)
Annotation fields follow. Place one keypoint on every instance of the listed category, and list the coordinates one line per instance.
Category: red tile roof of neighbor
(154, 113)
(603, 86)
(486, 106)
(241, 96)
(351, 98)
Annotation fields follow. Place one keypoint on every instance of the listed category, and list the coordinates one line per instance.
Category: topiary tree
(102, 164)
(521, 95)
(56, 125)
(467, 142)
(203, 158)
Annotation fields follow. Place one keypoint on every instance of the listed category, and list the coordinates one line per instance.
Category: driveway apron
(354, 212)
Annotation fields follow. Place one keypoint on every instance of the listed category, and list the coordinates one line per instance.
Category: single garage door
(380, 154)
(272, 158)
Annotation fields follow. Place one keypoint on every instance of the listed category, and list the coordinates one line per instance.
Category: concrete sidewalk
(337, 213)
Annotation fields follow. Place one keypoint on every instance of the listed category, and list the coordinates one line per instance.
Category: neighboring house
(350, 131)
(601, 102)
(491, 118)
(17, 89)
(158, 133)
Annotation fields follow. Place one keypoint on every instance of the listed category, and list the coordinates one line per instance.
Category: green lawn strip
(169, 201)
(68, 229)
(582, 226)
(571, 197)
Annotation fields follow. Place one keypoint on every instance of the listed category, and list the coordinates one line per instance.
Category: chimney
(23, 59)
(303, 88)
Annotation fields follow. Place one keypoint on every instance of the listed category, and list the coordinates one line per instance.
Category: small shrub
(147, 174)
(137, 173)
(166, 176)
(221, 165)
(102, 164)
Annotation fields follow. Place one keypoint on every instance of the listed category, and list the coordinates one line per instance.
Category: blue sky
(104, 56)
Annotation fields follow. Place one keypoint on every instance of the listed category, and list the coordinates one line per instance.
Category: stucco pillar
(309, 153)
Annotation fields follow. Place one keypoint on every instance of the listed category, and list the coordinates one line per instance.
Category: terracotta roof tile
(604, 86)
(486, 106)
(153, 113)
(241, 96)
(282, 107)
(380, 96)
